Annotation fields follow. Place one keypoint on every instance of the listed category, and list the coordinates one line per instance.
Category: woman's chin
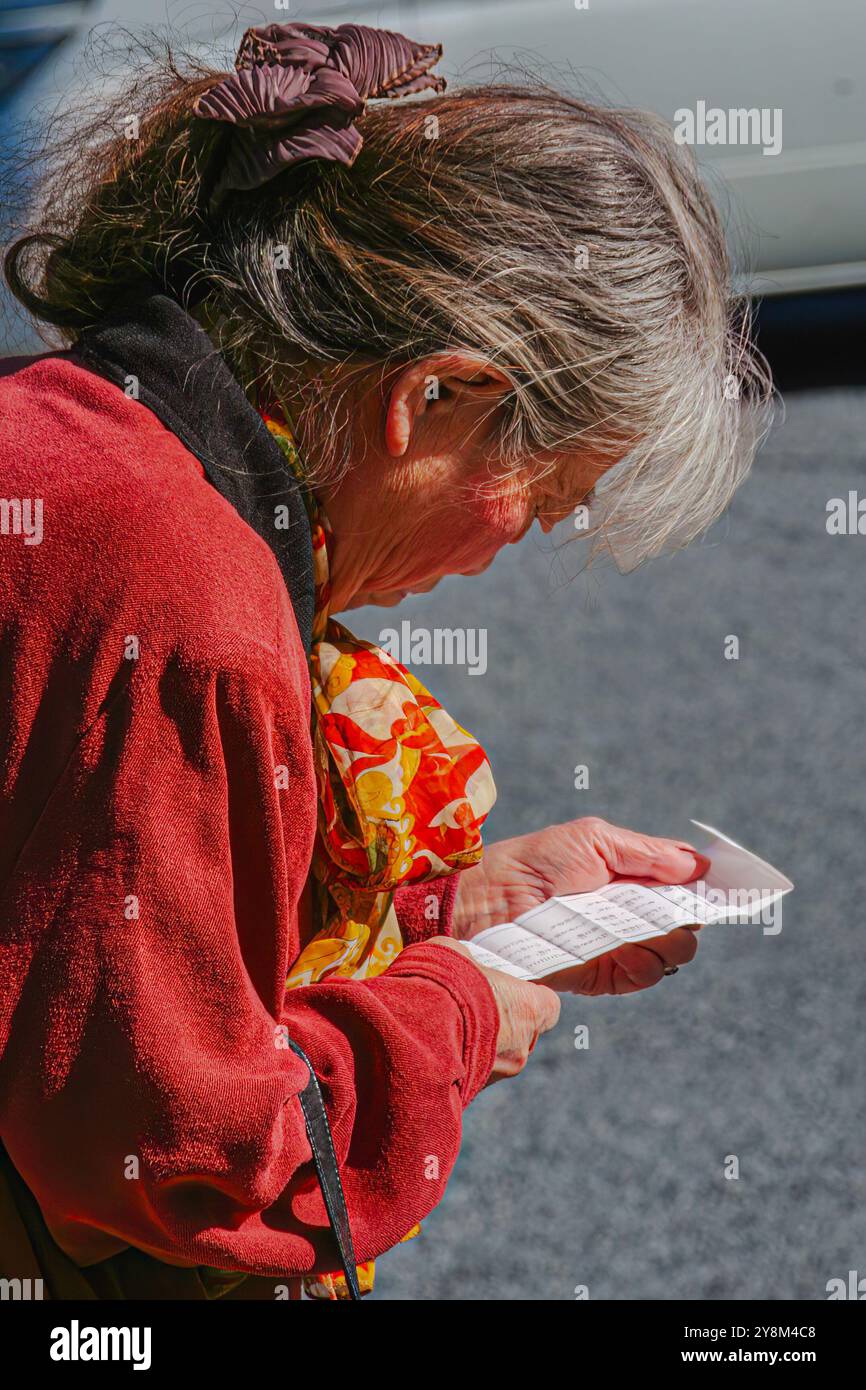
(377, 598)
(389, 598)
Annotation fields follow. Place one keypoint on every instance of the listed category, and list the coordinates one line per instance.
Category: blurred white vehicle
(797, 216)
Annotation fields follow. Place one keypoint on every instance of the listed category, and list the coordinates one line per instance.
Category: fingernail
(702, 863)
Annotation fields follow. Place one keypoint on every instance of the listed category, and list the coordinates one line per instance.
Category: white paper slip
(573, 929)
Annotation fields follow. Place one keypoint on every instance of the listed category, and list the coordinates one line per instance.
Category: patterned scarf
(403, 792)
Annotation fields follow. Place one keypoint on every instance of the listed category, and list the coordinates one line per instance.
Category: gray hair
(572, 245)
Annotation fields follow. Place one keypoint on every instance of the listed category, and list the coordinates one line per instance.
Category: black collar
(189, 387)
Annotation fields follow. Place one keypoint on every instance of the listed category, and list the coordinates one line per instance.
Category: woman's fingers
(627, 852)
(678, 947)
(635, 967)
(639, 965)
(642, 965)
(525, 1012)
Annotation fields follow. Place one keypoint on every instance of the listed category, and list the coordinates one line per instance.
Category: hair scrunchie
(298, 89)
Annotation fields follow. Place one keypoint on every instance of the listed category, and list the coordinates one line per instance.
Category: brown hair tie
(298, 89)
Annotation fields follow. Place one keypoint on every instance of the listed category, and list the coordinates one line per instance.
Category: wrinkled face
(459, 527)
(447, 513)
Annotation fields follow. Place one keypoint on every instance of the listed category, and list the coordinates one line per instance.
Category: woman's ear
(439, 383)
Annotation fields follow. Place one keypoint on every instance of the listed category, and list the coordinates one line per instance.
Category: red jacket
(152, 877)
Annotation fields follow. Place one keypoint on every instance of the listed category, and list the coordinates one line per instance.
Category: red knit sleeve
(426, 909)
(152, 1100)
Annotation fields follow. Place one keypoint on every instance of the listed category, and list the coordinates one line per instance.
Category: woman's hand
(576, 857)
(525, 1012)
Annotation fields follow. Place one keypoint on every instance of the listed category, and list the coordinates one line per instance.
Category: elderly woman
(316, 353)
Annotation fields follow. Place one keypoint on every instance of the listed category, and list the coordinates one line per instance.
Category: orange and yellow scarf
(403, 792)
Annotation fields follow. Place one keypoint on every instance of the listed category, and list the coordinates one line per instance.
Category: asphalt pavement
(604, 1168)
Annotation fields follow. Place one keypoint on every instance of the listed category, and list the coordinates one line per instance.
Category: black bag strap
(328, 1170)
